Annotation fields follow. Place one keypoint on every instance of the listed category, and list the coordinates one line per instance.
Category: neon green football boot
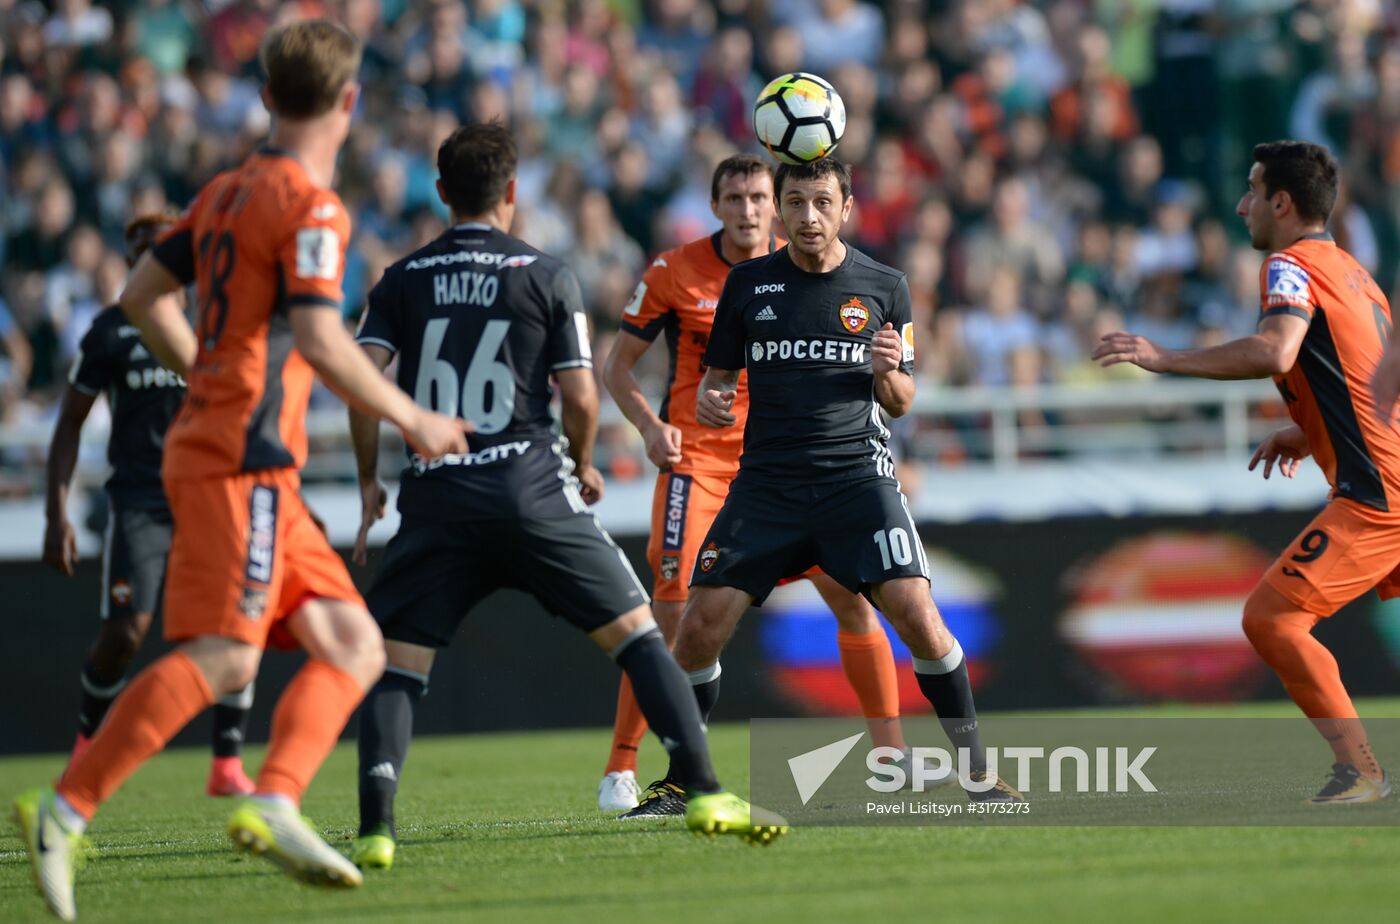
(374, 850)
(281, 834)
(54, 851)
(725, 813)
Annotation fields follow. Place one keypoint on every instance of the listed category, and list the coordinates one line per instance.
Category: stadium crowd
(1043, 171)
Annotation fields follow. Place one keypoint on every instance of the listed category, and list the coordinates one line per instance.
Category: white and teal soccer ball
(799, 118)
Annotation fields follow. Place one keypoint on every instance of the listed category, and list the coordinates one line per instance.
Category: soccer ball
(799, 118)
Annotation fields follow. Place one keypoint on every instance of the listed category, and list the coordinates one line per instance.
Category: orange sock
(629, 727)
(869, 666)
(307, 723)
(1282, 635)
(152, 709)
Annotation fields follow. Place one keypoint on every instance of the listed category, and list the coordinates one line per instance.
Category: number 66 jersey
(480, 320)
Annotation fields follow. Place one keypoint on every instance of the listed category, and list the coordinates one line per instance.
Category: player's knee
(120, 640)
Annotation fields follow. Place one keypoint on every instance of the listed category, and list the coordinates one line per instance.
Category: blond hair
(308, 63)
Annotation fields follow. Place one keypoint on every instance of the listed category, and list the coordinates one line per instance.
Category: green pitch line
(502, 827)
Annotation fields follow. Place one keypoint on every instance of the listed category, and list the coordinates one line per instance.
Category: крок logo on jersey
(709, 557)
(670, 567)
(854, 315)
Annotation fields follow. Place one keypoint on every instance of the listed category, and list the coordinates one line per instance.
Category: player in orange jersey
(1323, 326)
(677, 297)
(265, 244)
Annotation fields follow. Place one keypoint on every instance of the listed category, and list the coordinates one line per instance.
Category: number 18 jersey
(479, 321)
(259, 242)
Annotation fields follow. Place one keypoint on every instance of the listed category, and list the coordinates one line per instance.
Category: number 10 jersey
(480, 320)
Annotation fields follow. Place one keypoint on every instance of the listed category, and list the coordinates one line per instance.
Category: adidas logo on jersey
(384, 771)
(766, 314)
(138, 353)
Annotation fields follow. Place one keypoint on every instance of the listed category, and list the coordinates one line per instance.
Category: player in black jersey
(142, 396)
(481, 321)
(826, 336)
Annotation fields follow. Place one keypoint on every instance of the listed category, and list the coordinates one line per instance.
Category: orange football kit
(1354, 543)
(260, 241)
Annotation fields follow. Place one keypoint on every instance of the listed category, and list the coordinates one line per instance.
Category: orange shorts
(682, 509)
(1346, 550)
(245, 556)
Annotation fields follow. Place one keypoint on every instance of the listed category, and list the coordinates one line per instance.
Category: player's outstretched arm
(663, 441)
(715, 398)
(1271, 351)
(364, 437)
(325, 343)
(60, 541)
(578, 395)
(894, 388)
(148, 302)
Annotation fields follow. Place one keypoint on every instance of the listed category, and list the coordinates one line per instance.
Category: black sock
(386, 727)
(97, 699)
(231, 722)
(670, 708)
(946, 686)
(706, 690)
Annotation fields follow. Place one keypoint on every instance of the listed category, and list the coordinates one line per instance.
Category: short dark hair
(1307, 172)
(816, 170)
(476, 163)
(738, 165)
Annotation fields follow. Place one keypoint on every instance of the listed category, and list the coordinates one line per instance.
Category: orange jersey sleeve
(677, 296)
(259, 242)
(1328, 389)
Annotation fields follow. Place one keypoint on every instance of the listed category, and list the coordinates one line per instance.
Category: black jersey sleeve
(568, 346)
(902, 317)
(726, 347)
(91, 371)
(380, 322)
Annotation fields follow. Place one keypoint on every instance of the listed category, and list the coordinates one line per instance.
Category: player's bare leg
(1282, 635)
(867, 660)
(386, 730)
(618, 790)
(941, 670)
(345, 657)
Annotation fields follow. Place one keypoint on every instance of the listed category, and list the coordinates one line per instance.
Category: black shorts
(432, 574)
(133, 561)
(860, 534)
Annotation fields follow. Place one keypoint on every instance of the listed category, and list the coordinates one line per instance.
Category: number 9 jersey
(260, 241)
(480, 320)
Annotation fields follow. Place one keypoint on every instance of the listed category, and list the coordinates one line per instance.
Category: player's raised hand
(713, 407)
(373, 499)
(1119, 347)
(432, 434)
(1286, 448)
(663, 445)
(1385, 385)
(886, 350)
(61, 546)
(590, 484)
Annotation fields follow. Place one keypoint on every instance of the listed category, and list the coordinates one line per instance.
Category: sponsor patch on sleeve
(906, 333)
(634, 307)
(1286, 285)
(318, 253)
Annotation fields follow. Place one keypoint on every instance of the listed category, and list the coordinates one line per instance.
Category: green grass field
(502, 827)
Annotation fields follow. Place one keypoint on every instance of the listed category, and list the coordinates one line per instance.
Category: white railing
(1002, 426)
